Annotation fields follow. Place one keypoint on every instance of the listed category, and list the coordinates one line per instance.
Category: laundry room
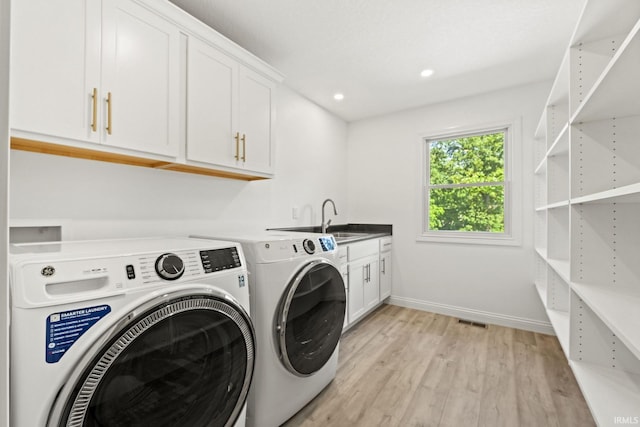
(467, 170)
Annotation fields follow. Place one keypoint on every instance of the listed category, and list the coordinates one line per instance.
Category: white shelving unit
(587, 208)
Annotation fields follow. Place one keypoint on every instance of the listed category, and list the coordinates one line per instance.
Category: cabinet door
(372, 284)
(140, 71)
(344, 271)
(357, 274)
(256, 106)
(385, 275)
(54, 66)
(211, 105)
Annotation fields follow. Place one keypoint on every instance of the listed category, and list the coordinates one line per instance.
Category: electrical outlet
(295, 213)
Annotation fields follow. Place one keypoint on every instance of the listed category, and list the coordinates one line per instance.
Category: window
(466, 186)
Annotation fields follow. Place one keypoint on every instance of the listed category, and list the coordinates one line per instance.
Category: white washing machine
(298, 303)
(135, 332)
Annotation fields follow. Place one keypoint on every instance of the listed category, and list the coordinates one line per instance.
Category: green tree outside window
(466, 183)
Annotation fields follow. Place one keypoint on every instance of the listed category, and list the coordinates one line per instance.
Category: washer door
(310, 318)
(187, 361)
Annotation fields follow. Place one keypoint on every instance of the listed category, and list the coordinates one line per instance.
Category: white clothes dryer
(132, 332)
(298, 303)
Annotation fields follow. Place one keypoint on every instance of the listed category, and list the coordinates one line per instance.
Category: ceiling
(373, 51)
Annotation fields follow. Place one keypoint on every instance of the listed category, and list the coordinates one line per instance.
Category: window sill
(456, 238)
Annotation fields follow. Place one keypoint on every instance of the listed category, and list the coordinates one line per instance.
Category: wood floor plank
(534, 400)
(407, 368)
(498, 401)
(567, 397)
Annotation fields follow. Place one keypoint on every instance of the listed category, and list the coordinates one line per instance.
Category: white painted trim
(5, 25)
(474, 315)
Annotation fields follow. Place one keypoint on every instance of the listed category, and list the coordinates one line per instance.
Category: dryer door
(187, 361)
(310, 318)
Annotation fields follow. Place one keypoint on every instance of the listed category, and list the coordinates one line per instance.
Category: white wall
(102, 200)
(478, 282)
(4, 210)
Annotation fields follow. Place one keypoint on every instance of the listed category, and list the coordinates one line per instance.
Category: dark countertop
(348, 233)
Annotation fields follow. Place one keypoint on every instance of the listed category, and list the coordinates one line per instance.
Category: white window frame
(512, 199)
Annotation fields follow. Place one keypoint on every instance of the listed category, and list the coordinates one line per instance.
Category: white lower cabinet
(364, 275)
(343, 264)
(385, 268)
(357, 275)
(371, 282)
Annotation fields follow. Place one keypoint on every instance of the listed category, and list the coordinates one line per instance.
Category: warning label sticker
(64, 329)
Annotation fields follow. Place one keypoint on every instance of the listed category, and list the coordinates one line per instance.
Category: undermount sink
(341, 236)
(346, 234)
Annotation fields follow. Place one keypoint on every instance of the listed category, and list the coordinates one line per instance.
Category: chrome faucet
(335, 212)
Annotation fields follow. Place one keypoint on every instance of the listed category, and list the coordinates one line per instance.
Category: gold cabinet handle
(94, 110)
(237, 138)
(109, 107)
(244, 147)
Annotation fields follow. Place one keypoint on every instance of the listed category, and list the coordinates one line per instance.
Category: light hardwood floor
(404, 367)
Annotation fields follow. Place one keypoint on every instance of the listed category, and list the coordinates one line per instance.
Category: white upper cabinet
(101, 72)
(230, 111)
(256, 120)
(139, 82)
(140, 74)
(211, 100)
(53, 65)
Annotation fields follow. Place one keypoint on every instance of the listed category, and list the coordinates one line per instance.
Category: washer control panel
(169, 266)
(184, 264)
(220, 259)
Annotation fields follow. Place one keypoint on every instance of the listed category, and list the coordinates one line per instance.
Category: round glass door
(310, 318)
(187, 362)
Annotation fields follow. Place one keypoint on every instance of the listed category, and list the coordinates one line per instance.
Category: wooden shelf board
(617, 307)
(609, 393)
(627, 194)
(103, 156)
(614, 94)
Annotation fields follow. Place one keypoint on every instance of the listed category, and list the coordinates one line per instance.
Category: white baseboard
(475, 315)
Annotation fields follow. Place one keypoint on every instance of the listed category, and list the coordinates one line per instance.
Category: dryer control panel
(284, 249)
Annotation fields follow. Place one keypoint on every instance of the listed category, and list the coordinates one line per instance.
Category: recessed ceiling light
(426, 73)
(338, 97)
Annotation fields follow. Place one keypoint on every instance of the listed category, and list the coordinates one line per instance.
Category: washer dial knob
(169, 266)
(309, 246)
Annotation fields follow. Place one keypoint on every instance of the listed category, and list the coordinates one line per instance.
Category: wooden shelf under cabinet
(104, 156)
